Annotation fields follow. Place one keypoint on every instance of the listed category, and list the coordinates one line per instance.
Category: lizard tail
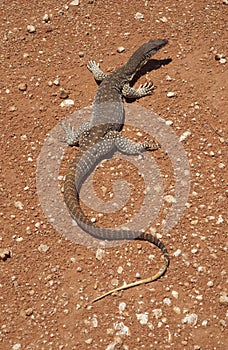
(72, 200)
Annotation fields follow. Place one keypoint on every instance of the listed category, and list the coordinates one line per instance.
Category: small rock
(120, 49)
(175, 294)
(56, 81)
(114, 282)
(170, 199)
(167, 301)
(46, 18)
(12, 108)
(139, 16)
(157, 312)
(81, 54)
(164, 19)
(67, 103)
(63, 94)
(16, 346)
(223, 299)
(170, 94)
(43, 248)
(168, 78)
(185, 135)
(222, 60)
(120, 269)
(122, 306)
(5, 254)
(29, 311)
(218, 56)
(177, 253)
(99, 254)
(142, 318)
(22, 86)
(210, 283)
(169, 122)
(19, 205)
(31, 28)
(177, 310)
(75, 3)
(190, 319)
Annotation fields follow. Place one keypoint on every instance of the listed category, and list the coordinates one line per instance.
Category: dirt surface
(47, 282)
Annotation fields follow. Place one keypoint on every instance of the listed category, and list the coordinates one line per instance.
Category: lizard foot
(146, 89)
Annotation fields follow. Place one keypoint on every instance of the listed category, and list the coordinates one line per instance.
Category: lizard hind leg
(143, 90)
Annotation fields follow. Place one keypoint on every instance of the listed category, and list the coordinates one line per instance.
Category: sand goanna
(100, 136)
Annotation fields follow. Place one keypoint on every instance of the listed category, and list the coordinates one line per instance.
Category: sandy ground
(47, 282)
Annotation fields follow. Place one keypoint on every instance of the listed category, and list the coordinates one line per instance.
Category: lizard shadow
(151, 65)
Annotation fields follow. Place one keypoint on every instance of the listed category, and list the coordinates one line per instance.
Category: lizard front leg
(94, 68)
(129, 147)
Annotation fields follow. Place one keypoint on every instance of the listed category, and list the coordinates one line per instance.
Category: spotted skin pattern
(102, 136)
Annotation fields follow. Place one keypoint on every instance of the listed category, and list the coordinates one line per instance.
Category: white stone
(139, 15)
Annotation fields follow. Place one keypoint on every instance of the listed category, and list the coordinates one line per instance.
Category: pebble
(185, 135)
(63, 93)
(142, 318)
(22, 86)
(12, 108)
(99, 254)
(175, 294)
(43, 248)
(120, 49)
(46, 18)
(157, 312)
(114, 282)
(169, 122)
(223, 299)
(19, 205)
(190, 319)
(167, 301)
(29, 311)
(66, 103)
(75, 3)
(210, 283)
(170, 199)
(120, 269)
(5, 253)
(177, 253)
(81, 54)
(170, 94)
(122, 306)
(139, 16)
(56, 82)
(16, 346)
(225, 2)
(31, 28)
(177, 310)
(164, 19)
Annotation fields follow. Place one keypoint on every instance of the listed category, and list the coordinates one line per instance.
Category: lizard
(102, 136)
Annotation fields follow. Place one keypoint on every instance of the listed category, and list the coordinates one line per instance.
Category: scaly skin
(102, 136)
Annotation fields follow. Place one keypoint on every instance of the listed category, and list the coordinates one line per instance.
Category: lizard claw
(71, 139)
(146, 89)
(92, 65)
(152, 145)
